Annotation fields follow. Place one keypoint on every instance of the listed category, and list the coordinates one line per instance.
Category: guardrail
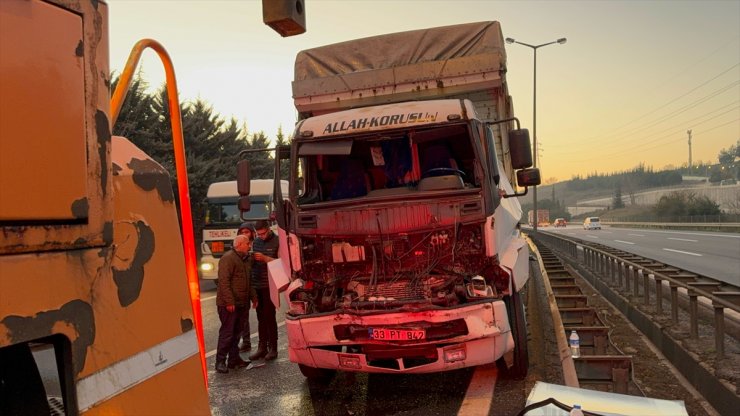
(630, 274)
(721, 226)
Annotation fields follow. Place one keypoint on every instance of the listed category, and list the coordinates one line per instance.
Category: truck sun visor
(342, 148)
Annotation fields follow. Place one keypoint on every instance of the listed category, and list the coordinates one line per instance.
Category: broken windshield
(396, 163)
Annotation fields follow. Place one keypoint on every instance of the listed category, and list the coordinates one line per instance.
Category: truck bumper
(312, 341)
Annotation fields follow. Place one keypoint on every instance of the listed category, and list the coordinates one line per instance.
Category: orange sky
(633, 77)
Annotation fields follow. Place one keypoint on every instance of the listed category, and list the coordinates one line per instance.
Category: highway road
(278, 388)
(712, 254)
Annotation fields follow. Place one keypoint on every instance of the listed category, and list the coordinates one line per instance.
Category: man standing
(246, 344)
(265, 250)
(232, 300)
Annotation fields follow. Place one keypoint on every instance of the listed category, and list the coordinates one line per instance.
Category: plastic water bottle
(576, 410)
(575, 344)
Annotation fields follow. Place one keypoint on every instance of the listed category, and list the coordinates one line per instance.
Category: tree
(281, 140)
(632, 185)
(673, 204)
(261, 164)
(702, 205)
(138, 118)
(212, 145)
(682, 203)
(727, 156)
(617, 202)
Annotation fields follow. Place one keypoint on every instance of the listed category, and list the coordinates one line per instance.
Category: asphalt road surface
(711, 254)
(278, 388)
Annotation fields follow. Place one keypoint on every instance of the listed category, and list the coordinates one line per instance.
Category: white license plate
(392, 334)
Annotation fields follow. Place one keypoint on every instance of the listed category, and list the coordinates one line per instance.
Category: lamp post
(534, 114)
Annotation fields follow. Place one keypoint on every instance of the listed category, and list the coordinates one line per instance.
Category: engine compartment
(438, 268)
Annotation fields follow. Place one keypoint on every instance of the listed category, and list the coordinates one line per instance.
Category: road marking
(682, 239)
(479, 395)
(721, 235)
(208, 298)
(625, 242)
(637, 235)
(683, 252)
(592, 236)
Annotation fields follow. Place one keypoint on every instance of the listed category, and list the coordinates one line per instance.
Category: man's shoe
(271, 355)
(245, 347)
(221, 367)
(238, 363)
(261, 352)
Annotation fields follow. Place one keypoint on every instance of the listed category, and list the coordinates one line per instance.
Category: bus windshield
(225, 211)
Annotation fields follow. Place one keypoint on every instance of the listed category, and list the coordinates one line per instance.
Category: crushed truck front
(396, 263)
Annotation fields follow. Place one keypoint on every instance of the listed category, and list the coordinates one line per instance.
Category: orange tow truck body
(95, 310)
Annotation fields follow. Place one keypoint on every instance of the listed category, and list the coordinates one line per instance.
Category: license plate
(392, 334)
(217, 247)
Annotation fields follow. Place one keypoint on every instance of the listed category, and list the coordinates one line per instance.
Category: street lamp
(534, 115)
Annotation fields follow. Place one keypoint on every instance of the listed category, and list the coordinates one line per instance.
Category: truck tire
(321, 375)
(518, 323)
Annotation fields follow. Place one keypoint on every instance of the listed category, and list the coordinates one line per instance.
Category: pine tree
(280, 141)
(617, 202)
(261, 164)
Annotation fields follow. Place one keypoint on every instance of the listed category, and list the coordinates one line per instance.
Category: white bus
(222, 218)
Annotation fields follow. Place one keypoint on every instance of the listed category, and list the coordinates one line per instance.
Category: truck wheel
(321, 375)
(517, 320)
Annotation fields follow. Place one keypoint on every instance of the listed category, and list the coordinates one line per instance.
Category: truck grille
(400, 290)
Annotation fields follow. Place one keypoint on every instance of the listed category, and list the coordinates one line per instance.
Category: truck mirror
(528, 177)
(242, 178)
(521, 151)
(244, 204)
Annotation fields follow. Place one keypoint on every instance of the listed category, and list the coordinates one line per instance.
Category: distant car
(591, 223)
(728, 182)
(559, 222)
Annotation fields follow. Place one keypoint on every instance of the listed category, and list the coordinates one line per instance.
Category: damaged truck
(400, 251)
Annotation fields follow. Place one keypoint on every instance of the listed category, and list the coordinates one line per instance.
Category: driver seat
(437, 156)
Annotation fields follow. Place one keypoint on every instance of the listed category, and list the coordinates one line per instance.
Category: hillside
(578, 190)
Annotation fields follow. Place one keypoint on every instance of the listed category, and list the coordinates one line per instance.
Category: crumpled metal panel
(391, 219)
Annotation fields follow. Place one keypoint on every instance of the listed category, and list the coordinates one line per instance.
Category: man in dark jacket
(246, 345)
(265, 250)
(232, 300)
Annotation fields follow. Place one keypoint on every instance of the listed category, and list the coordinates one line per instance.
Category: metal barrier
(720, 226)
(631, 271)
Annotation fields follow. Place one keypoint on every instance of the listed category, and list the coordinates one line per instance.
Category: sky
(631, 80)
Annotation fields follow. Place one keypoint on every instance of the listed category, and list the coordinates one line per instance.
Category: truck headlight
(206, 267)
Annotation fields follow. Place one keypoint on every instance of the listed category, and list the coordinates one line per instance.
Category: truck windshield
(225, 211)
(399, 163)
